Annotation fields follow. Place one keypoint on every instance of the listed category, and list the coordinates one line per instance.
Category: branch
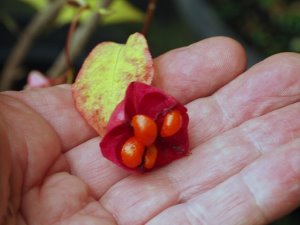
(79, 41)
(150, 11)
(34, 28)
(69, 76)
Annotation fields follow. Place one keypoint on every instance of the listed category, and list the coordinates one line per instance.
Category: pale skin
(244, 134)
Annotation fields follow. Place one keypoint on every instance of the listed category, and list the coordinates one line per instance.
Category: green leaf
(120, 11)
(105, 75)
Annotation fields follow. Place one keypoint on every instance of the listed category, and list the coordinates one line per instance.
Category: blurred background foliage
(264, 27)
(271, 25)
(120, 11)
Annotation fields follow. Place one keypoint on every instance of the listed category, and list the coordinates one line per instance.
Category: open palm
(244, 135)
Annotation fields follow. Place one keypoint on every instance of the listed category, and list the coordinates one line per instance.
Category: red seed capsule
(145, 129)
(141, 98)
(132, 153)
(171, 124)
(150, 157)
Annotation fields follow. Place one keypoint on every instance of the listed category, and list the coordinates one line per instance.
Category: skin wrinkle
(225, 50)
(256, 189)
(26, 143)
(262, 107)
(185, 71)
(175, 179)
(52, 182)
(59, 165)
(229, 120)
(259, 111)
(270, 101)
(237, 202)
(192, 190)
(250, 93)
(248, 213)
(244, 129)
(68, 138)
(89, 208)
(92, 210)
(295, 165)
(192, 215)
(30, 170)
(200, 113)
(254, 132)
(259, 209)
(63, 217)
(205, 71)
(257, 145)
(230, 202)
(114, 174)
(204, 185)
(15, 180)
(174, 218)
(9, 104)
(164, 182)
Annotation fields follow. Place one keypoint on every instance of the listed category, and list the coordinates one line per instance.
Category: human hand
(244, 134)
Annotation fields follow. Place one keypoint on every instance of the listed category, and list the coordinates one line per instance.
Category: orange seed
(150, 157)
(145, 129)
(132, 153)
(171, 124)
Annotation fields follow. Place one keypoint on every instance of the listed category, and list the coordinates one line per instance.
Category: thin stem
(72, 29)
(79, 40)
(150, 12)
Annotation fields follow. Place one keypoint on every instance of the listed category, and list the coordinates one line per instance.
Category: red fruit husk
(147, 100)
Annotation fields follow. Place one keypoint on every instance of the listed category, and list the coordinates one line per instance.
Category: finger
(227, 154)
(31, 157)
(55, 104)
(63, 199)
(262, 192)
(271, 84)
(86, 161)
(199, 69)
(209, 165)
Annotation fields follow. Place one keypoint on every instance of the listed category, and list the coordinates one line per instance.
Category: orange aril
(145, 129)
(150, 157)
(132, 153)
(171, 124)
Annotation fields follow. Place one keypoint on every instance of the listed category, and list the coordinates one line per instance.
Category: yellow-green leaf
(121, 12)
(105, 75)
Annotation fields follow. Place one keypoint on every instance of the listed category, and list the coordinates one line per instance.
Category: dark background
(264, 27)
